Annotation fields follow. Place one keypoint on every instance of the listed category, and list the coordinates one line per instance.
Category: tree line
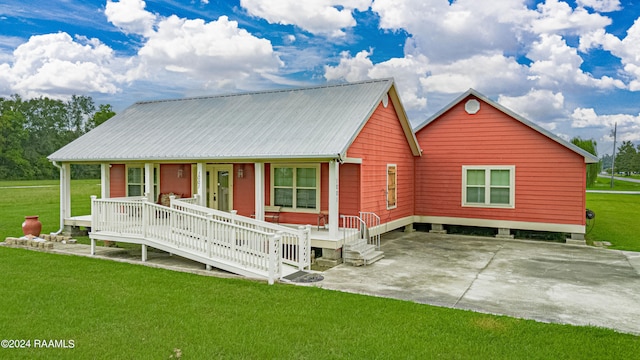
(31, 130)
(627, 159)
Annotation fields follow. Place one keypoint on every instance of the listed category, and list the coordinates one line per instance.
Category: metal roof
(588, 157)
(307, 123)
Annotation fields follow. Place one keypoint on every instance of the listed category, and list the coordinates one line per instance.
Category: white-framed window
(488, 186)
(136, 179)
(296, 187)
(392, 189)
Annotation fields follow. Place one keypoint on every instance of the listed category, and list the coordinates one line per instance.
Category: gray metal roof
(308, 123)
(588, 157)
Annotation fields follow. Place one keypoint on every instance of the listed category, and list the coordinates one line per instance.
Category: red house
(342, 158)
(337, 157)
(487, 166)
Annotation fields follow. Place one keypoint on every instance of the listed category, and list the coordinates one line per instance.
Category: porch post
(105, 181)
(148, 181)
(65, 192)
(334, 173)
(259, 185)
(201, 178)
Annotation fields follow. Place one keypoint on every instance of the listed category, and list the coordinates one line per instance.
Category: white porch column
(65, 192)
(334, 175)
(201, 183)
(259, 185)
(148, 182)
(105, 181)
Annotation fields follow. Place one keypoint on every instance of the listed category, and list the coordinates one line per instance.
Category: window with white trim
(296, 187)
(488, 186)
(136, 179)
(392, 190)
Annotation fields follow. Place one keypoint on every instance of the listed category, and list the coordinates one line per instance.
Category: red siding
(383, 142)
(349, 189)
(175, 178)
(244, 189)
(118, 180)
(550, 179)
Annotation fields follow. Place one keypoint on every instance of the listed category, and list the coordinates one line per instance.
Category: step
(370, 258)
(359, 253)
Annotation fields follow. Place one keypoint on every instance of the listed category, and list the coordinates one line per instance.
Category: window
(136, 178)
(392, 179)
(295, 187)
(488, 186)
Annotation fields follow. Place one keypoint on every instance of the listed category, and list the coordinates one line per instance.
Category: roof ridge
(272, 91)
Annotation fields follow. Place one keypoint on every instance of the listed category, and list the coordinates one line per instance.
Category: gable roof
(588, 157)
(306, 123)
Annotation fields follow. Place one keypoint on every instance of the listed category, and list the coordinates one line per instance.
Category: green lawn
(115, 310)
(121, 311)
(41, 197)
(603, 183)
(616, 220)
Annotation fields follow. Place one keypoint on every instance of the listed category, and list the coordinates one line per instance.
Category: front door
(220, 187)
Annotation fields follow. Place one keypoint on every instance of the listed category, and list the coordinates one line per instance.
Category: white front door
(220, 187)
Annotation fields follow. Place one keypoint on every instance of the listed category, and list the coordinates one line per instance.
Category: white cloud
(216, 52)
(555, 64)
(445, 32)
(56, 65)
(130, 16)
(486, 73)
(543, 106)
(626, 49)
(557, 17)
(587, 117)
(601, 5)
(406, 71)
(328, 17)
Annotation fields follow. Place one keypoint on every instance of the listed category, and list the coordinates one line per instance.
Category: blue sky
(573, 67)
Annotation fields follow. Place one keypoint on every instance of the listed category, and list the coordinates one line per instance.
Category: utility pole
(613, 159)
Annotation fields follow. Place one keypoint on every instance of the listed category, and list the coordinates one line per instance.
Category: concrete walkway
(548, 282)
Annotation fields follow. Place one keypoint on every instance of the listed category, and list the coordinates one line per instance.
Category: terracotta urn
(31, 225)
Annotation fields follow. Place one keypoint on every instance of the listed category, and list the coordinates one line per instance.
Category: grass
(616, 220)
(41, 197)
(115, 310)
(603, 183)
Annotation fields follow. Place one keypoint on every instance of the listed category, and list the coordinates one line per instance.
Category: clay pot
(31, 225)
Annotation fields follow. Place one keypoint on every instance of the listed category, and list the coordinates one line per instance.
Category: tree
(591, 147)
(605, 162)
(626, 157)
(32, 129)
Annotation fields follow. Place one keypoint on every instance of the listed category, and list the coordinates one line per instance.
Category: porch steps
(359, 253)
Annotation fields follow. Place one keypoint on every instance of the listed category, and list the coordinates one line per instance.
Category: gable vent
(472, 106)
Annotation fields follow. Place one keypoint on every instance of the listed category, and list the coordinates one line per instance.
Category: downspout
(61, 216)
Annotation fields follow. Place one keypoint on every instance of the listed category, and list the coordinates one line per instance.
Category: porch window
(488, 186)
(296, 187)
(136, 179)
(392, 178)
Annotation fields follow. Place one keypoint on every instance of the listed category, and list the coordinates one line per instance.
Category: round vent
(472, 106)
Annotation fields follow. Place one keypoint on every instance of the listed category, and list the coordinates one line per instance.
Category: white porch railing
(201, 235)
(367, 226)
(296, 243)
(372, 222)
(349, 223)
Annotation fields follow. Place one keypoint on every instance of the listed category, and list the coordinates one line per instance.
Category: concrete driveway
(548, 282)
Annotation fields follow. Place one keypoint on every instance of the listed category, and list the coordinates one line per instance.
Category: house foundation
(437, 229)
(330, 257)
(576, 239)
(504, 233)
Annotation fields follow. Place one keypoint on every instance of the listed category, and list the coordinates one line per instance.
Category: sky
(572, 67)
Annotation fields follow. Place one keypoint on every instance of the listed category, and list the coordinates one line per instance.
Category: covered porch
(244, 187)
